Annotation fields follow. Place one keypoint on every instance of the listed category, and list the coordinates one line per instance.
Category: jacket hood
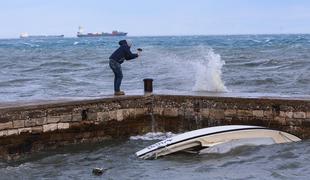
(125, 42)
(122, 43)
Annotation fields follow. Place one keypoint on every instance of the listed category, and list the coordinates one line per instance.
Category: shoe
(119, 93)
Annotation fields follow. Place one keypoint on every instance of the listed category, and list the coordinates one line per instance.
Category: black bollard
(148, 85)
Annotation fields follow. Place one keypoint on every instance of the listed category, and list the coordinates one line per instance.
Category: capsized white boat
(219, 139)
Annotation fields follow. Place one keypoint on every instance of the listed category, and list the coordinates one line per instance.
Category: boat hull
(101, 35)
(42, 37)
(218, 139)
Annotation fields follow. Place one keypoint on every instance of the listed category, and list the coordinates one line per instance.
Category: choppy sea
(71, 68)
(51, 69)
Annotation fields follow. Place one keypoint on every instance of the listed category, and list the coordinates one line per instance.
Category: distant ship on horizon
(81, 33)
(26, 35)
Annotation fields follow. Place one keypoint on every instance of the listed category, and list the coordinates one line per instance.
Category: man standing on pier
(116, 59)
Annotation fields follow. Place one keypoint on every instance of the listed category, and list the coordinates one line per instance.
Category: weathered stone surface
(268, 114)
(230, 112)
(94, 120)
(75, 125)
(40, 121)
(306, 122)
(19, 124)
(12, 132)
(36, 129)
(7, 125)
(287, 114)
(50, 127)
(102, 116)
(59, 111)
(128, 113)
(217, 114)
(76, 117)
(36, 113)
(205, 113)
(66, 118)
(3, 133)
(258, 113)
(158, 110)
(308, 114)
(188, 113)
(172, 112)
(113, 115)
(63, 126)
(5, 118)
(24, 130)
(140, 111)
(242, 112)
(53, 119)
(30, 122)
(281, 120)
(119, 115)
(294, 122)
(301, 115)
(228, 119)
(92, 116)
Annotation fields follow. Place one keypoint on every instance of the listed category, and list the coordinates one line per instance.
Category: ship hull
(101, 35)
(42, 37)
(88, 35)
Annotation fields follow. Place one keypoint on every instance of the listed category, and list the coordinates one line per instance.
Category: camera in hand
(139, 49)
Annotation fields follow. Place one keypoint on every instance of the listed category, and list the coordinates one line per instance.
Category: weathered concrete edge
(60, 103)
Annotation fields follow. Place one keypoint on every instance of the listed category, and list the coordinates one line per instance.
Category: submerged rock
(98, 171)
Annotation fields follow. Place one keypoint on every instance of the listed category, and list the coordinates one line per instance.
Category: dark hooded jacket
(123, 52)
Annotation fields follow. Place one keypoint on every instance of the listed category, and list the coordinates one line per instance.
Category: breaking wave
(209, 72)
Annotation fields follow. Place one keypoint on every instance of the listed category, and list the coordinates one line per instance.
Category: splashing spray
(139, 53)
(209, 73)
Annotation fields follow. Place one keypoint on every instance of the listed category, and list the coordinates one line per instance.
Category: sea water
(51, 69)
(70, 68)
(117, 158)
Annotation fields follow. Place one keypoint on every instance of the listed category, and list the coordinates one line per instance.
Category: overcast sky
(154, 17)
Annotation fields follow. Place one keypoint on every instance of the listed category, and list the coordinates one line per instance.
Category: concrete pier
(31, 127)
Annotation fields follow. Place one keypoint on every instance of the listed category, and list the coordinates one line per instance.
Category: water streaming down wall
(153, 124)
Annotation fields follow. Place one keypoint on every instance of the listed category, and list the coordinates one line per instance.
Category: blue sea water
(51, 69)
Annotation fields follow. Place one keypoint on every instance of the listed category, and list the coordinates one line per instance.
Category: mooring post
(148, 86)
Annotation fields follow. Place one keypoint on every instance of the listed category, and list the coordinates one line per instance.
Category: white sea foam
(153, 136)
(209, 72)
(257, 41)
(31, 45)
(199, 67)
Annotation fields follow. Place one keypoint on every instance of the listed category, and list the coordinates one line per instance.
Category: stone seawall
(31, 128)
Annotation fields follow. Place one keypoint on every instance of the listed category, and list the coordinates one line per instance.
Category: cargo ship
(26, 35)
(81, 33)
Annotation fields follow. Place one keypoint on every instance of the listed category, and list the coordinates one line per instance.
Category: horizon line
(180, 35)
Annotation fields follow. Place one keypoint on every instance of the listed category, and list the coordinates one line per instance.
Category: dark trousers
(118, 74)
